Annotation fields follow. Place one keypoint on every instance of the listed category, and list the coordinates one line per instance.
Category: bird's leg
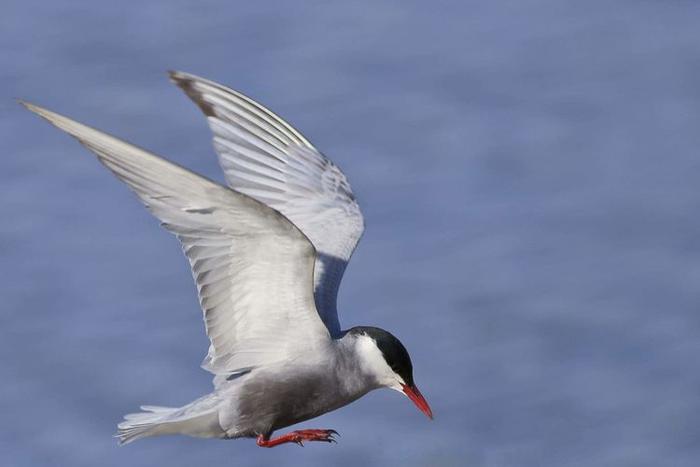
(298, 437)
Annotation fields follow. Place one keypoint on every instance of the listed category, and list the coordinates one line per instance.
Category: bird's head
(384, 358)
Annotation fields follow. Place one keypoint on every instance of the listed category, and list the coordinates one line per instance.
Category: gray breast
(269, 401)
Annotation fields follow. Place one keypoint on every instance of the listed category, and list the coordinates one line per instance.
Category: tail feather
(200, 420)
(139, 425)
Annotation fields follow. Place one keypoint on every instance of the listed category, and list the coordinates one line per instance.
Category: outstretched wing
(253, 268)
(264, 157)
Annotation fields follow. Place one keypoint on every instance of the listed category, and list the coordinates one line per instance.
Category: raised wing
(253, 268)
(264, 157)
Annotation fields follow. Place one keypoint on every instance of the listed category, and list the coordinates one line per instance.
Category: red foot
(298, 437)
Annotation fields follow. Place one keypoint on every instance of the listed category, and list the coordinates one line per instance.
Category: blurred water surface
(528, 171)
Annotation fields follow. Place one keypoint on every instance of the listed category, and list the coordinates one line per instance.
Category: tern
(267, 254)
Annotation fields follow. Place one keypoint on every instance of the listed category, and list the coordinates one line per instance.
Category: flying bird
(267, 254)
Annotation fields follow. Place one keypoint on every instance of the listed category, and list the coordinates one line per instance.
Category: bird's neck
(348, 363)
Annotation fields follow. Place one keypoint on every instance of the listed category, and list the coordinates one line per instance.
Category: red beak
(414, 394)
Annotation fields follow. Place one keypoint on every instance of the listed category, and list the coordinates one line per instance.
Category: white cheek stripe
(373, 363)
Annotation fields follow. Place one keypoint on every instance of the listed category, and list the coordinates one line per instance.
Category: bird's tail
(200, 419)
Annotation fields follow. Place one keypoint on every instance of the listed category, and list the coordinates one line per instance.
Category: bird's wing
(253, 268)
(264, 157)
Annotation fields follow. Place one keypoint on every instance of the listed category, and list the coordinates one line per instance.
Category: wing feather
(264, 157)
(252, 266)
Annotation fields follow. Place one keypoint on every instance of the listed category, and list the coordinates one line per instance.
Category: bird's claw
(299, 436)
(326, 436)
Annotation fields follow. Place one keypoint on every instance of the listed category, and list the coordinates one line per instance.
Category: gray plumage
(267, 255)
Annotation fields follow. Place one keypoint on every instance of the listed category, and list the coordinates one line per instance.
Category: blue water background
(530, 176)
